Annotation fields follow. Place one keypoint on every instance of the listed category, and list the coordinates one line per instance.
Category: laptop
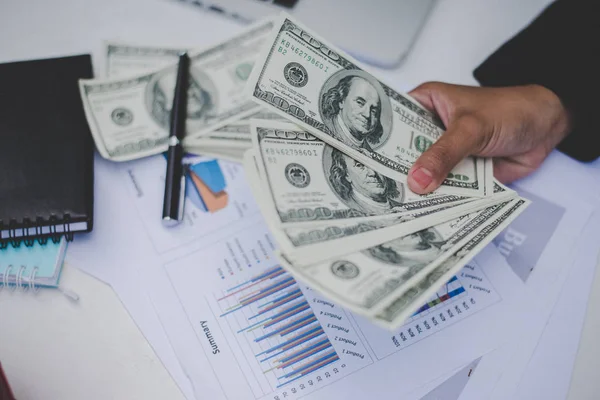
(377, 32)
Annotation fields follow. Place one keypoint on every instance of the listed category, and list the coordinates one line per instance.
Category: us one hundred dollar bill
(233, 155)
(125, 59)
(325, 91)
(222, 139)
(226, 142)
(129, 116)
(370, 281)
(310, 181)
(306, 243)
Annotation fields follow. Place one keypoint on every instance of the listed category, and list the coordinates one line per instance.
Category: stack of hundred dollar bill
(326, 147)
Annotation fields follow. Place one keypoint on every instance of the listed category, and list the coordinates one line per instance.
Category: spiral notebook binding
(38, 231)
(29, 283)
(21, 282)
(4, 282)
(12, 233)
(67, 227)
(26, 225)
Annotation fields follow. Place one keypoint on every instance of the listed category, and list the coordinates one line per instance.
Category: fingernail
(422, 177)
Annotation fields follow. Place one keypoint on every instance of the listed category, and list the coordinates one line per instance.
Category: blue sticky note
(211, 174)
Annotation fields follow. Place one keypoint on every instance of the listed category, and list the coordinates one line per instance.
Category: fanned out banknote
(227, 142)
(323, 90)
(128, 59)
(129, 116)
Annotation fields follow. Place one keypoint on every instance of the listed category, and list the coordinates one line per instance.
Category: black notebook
(46, 151)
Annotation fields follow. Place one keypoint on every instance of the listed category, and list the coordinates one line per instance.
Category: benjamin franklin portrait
(413, 251)
(201, 99)
(360, 187)
(356, 110)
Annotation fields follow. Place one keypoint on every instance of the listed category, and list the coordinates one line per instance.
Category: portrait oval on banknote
(202, 97)
(414, 251)
(358, 186)
(356, 110)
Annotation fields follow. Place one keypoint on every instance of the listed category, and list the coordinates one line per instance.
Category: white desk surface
(52, 348)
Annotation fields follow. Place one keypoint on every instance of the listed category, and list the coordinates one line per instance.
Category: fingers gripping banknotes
(326, 92)
(129, 117)
(310, 181)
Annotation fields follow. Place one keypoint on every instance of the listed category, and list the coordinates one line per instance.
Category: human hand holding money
(335, 204)
(326, 92)
(519, 126)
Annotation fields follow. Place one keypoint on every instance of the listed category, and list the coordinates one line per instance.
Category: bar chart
(282, 315)
(275, 323)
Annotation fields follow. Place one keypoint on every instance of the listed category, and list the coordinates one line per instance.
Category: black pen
(175, 179)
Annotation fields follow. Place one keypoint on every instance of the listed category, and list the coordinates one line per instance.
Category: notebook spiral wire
(21, 282)
(29, 283)
(21, 234)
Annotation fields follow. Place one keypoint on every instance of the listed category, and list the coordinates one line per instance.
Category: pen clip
(181, 196)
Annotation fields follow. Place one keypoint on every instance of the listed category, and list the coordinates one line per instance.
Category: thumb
(462, 138)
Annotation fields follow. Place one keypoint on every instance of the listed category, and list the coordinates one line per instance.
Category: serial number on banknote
(291, 152)
(285, 45)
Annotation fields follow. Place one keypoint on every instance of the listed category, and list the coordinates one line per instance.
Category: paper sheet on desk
(579, 187)
(581, 193)
(110, 254)
(103, 254)
(542, 361)
(548, 372)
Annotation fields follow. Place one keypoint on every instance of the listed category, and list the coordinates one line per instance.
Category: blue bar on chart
(276, 310)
